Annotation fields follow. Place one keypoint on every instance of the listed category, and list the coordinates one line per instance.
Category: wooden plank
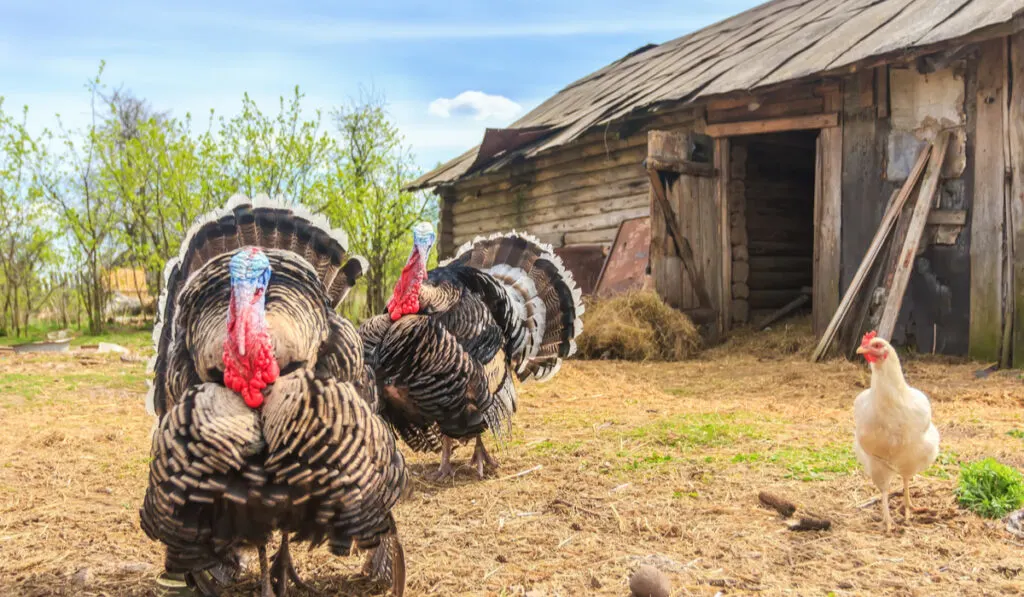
(882, 92)
(925, 199)
(1015, 226)
(679, 242)
(827, 223)
(788, 106)
(679, 166)
(896, 203)
(774, 125)
(793, 305)
(722, 205)
(987, 209)
(948, 217)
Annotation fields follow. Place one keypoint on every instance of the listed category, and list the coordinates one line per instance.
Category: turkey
(453, 339)
(266, 414)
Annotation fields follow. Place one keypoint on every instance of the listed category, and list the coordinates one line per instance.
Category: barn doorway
(771, 196)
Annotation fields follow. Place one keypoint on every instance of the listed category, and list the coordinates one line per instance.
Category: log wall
(574, 195)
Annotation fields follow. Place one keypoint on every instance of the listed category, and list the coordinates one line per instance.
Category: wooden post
(722, 203)
(827, 220)
(987, 212)
(1015, 227)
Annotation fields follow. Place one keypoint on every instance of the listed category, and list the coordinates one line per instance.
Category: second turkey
(454, 340)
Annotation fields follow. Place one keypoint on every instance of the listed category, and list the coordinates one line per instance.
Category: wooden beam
(896, 203)
(679, 242)
(987, 210)
(827, 221)
(905, 264)
(1015, 227)
(722, 158)
(948, 217)
(679, 166)
(774, 125)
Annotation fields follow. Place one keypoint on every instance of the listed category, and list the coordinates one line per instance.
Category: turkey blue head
(249, 363)
(406, 297)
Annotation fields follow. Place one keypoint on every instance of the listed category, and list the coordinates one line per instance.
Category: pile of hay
(637, 326)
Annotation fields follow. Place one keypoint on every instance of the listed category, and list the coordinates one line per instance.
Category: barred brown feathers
(316, 462)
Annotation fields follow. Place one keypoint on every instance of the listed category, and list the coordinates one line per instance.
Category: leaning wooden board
(626, 265)
(925, 200)
(881, 237)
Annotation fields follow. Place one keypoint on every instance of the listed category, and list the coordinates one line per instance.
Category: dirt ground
(621, 463)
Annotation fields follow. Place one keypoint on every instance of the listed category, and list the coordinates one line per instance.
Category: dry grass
(637, 326)
(652, 462)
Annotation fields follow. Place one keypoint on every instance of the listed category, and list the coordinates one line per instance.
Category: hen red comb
(868, 337)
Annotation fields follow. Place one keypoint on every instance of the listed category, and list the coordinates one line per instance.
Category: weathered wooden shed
(779, 138)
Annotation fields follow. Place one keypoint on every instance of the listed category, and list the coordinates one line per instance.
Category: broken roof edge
(435, 178)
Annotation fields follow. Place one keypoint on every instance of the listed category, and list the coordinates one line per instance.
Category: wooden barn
(863, 154)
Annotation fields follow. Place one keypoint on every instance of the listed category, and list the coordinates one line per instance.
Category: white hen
(894, 430)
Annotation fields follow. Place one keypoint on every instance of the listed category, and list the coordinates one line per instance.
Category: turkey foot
(283, 570)
(445, 471)
(481, 457)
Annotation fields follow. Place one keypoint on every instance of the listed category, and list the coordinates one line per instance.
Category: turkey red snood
(405, 299)
(249, 363)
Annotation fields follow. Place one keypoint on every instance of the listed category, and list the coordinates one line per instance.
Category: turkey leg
(283, 569)
(267, 588)
(445, 471)
(481, 457)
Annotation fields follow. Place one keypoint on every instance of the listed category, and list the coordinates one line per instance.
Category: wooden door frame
(828, 179)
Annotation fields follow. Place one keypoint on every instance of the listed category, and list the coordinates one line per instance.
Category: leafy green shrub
(990, 489)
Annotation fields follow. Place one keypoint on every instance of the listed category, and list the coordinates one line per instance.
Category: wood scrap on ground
(781, 505)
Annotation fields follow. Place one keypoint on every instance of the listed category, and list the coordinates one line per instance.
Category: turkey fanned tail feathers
(262, 222)
(543, 299)
(504, 306)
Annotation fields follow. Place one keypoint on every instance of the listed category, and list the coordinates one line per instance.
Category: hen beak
(862, 350)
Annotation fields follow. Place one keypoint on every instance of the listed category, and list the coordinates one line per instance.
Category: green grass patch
(33, 386)
(697, 431)
(134, 339)
(550, 448)
(990, 489)
(632, 463)
(1017, 433)
(805, 463)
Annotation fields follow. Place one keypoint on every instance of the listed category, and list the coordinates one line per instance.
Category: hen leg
(445, 471)
(908, 504)
(886, 517)
(283, 569)
(481, 457)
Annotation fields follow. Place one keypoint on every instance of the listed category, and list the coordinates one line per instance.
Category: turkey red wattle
(249, 362)
(405, 299)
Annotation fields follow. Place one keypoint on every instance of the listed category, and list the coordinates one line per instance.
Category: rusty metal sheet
(626, 267)
(585, 263)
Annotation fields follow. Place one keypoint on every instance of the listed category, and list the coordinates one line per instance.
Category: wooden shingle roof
(776, 42)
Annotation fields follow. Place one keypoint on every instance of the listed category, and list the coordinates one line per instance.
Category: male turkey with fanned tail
(452, 340)
(267, 415)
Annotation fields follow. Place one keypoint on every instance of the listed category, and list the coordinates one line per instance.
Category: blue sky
(447, 70)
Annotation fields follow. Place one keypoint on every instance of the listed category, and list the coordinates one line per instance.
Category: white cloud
(479, 105)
